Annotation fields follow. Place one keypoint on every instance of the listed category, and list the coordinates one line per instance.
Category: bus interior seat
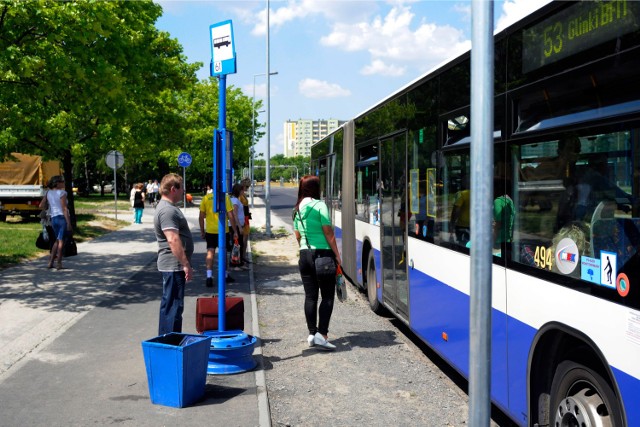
(618, 235)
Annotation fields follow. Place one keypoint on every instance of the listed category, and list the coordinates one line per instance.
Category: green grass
(18, 238)
(96, 203)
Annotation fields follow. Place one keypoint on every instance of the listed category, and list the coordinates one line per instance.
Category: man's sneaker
(209, 282)
(311, 340)
(319, 340)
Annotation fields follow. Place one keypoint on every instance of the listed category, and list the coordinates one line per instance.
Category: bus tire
(581, 397)
(372, 289)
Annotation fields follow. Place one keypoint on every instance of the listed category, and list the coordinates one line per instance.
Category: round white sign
(114, 159)
(567, 256)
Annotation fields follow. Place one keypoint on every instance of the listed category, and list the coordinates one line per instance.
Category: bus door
(393, 218)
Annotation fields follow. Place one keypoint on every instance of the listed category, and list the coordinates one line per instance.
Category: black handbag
(70, 248)
(325, 266)
(41, 243)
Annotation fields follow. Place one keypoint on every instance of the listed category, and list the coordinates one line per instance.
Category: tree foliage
(86, 77)
(287, 168)
(200, 106)
(81, 78)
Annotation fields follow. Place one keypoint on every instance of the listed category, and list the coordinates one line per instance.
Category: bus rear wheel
(581, 397)
(372, 288)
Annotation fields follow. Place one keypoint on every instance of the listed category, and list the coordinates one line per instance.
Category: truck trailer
(23, 179)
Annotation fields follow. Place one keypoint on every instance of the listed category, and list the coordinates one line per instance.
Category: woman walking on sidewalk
(56, 201)
(138, 203)
(313, 230)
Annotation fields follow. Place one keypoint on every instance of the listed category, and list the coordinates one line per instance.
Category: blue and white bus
(566, 265)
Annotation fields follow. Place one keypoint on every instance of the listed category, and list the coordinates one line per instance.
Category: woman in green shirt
(313, 230)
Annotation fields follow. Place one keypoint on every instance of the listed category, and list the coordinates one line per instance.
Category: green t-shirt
(314, 214)
(504, 213)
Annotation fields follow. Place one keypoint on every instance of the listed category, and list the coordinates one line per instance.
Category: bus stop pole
(482, 112)
(221, 189)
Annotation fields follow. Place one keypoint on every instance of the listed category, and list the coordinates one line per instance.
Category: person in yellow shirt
(461, 216)
(210, 233)
(246, 229)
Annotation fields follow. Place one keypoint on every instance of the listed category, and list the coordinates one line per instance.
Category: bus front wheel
(581, 397)
(372, 288)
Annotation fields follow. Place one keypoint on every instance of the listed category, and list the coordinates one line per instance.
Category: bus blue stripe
(436, 308)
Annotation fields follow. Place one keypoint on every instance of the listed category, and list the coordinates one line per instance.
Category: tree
(87, 77)
(200, 108)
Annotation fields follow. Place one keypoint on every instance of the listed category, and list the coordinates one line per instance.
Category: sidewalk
(70, 340)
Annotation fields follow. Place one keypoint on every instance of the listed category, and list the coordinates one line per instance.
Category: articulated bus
(566, 265)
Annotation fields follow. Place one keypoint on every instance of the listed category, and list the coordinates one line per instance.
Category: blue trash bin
(176, 368)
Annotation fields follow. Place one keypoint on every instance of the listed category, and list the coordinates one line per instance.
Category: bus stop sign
(223, 50)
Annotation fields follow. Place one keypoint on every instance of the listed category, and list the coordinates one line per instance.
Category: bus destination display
(577, 28)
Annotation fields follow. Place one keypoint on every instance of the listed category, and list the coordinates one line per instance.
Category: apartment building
(300, 134)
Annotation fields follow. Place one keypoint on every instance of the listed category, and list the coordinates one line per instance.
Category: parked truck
(23, 179)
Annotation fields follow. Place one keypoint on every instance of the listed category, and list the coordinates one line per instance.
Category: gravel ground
(377, 376)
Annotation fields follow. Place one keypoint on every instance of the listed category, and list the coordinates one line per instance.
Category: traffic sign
(184, 159)
(223, 51)
(114, 159)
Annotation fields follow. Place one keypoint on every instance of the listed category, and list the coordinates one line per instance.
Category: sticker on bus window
(590, 269)
(608, 268)
(567, 256)
(622, 285)
(542, 258)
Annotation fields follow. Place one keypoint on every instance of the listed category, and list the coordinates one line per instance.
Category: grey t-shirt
(169, 217)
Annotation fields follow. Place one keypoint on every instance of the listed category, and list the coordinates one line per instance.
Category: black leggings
(314, 285)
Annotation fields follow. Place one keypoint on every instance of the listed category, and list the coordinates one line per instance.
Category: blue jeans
(59, 224)
(137, 218)
(172, 304)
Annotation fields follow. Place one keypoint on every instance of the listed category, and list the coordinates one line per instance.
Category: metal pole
(481, 207)
(222, 211)
(115, 183)
(267, 187)
(253, 135)
(184, 185)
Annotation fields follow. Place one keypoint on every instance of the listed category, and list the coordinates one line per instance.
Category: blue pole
(222, 217)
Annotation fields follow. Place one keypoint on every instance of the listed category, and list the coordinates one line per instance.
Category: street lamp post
(267, 188)
(253, 128)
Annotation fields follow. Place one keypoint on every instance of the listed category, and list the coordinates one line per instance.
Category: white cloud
(464, 9)
(515, 10)
(390, 39)
(379, 67)
(312, 88)
(333, 11)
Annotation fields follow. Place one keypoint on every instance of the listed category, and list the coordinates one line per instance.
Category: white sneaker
(311, 340)
(319, 340)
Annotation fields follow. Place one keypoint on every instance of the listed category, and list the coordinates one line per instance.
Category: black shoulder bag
(325, 265)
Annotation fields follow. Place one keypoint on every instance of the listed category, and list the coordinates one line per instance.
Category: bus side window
(582, 214)
(367, 184)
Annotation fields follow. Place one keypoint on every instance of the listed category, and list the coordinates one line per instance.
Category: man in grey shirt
(175, 247)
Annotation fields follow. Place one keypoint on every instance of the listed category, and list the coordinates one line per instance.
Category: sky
(334, 58)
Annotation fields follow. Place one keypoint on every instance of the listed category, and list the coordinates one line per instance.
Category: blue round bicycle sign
(184, 159)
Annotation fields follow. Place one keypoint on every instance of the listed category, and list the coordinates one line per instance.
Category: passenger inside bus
(461, 215)
(504, 214)
(559, 167)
